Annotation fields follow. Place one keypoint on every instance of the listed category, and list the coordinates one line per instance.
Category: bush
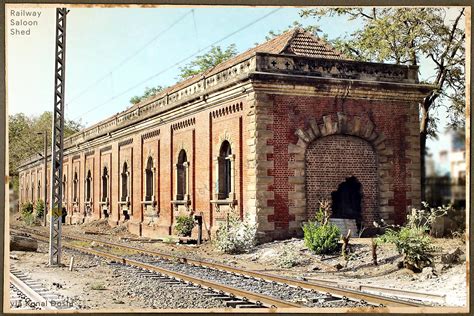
(320, 236)
(39, 209)
(413, 243)
(413, 240)
(321, 239)
(26, 208)
(184, 225)
(29, 219)
(236, 236)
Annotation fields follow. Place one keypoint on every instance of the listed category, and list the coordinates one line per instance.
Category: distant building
(446, 177)
(266, 134)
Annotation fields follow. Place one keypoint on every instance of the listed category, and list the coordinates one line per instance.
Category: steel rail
(360, 296)
(238, 293)
(324, 288)
(29, 292)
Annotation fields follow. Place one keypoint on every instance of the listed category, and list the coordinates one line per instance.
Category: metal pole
(45, 175)
(57, 140)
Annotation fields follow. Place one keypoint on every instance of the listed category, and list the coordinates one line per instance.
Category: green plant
(413, 243)
(235, 236)
(98, 286)
(39, 209)
(289, 257)
(184, 225)
(29, 219)
(26, 213)
(321, 239)
(26, 208)
(426, 216)
(413, 240)
(320, 236)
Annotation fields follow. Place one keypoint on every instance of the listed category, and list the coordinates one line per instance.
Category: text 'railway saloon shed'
(266, 134)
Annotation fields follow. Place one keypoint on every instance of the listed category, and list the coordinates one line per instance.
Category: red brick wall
(332, 159)
(293, 112)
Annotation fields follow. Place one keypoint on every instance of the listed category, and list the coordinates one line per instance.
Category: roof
(295, 41)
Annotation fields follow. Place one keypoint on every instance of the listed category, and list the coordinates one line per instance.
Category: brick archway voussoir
(345, 125)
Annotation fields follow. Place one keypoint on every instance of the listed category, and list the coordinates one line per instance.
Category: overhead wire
(181, 61)
(126, 59)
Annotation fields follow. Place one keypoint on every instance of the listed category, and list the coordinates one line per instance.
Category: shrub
(321, 239)
(26, 213)
(235, 236)
(413, 240)
(413, 243)
(320, 236)
(184, 225)
(26, 208)
(39, 209)
(29, 219)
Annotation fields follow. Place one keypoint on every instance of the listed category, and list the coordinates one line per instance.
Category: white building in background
(446, 170)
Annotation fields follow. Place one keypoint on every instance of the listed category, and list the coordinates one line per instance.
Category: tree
(405, 36)
(204, 62)
(24, 140)
(149, 92)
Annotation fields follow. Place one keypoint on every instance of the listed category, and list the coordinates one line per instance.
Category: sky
(113, 54)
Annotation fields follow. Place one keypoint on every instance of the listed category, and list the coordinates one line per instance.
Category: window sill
(224, 202)
(181, 202)
(153, 203)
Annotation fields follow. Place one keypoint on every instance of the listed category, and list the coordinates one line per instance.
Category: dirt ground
(287, 258)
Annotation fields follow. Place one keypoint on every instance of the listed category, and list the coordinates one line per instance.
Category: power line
(180, 62)
(124, 61)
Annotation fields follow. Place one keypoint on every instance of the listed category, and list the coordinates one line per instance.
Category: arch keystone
(342, 123)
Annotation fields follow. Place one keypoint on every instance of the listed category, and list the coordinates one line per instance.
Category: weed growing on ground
(184, 225)
(236, 235)
(98, 287)
(412, 240)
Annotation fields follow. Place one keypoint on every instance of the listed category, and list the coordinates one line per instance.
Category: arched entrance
(346, 201)
(343, 170)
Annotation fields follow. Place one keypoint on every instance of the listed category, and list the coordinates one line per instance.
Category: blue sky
(111, 52)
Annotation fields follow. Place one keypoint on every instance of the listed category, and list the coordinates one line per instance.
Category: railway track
(27, 294)
(180, 269)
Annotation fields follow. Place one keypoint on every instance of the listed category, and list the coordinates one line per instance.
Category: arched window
(105, 184)
(88, 186)
(181, 169)
(32, 189)
(149, 179)
(64, 188)
(225, 171)
(124, 182)
(75, 186)
(39, 190)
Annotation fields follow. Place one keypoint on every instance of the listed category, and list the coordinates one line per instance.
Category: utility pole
(57, 140)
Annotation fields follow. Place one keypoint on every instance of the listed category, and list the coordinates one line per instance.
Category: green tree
(149, 92)
(24, 140)
(212, 58)
(406, 36)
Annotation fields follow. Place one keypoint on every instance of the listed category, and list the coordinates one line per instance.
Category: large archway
(343, 170)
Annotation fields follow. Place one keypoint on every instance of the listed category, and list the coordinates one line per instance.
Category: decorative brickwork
(294, 119)
(330, 161)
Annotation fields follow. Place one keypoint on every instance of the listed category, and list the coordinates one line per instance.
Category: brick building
(266, 134)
